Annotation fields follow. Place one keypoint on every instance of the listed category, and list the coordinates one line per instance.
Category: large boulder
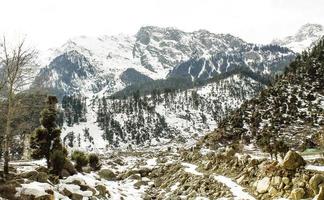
(31, 175)
(107, 174)
(69, 168)
(293, 161)
(315, 182)
(297, 194)
(320, 195)
(263, 185)
(42, 177)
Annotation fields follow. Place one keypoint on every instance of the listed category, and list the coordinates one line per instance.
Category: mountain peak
(309, 30)
(303, 39)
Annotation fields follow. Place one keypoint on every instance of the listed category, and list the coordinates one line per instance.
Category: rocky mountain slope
(305, 37)
(291, 111)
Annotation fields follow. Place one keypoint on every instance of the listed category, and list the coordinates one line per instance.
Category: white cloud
(51, 22)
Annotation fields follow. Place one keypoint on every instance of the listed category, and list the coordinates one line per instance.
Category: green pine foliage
(58, 158)
(94, 161)
(81, 160)
(46, 139)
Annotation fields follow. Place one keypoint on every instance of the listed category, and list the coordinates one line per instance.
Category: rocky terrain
(196, 173)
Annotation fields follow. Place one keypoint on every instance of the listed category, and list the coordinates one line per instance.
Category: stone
(135, 177)
(42, 177)
(315, 181)
(42, 169)
(102, 190)
(69, 167)
(293, 160)
(65, 173)
(229, 152)
(32, 197)
(297, 194)
(273, 191)
(263, 185)
(241, 179)
(107, 174)
(76, 196)
(31, 175)
(320, 195)
(275, 181)
(286, 180)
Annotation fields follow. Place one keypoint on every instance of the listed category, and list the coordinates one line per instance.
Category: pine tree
(46, 139)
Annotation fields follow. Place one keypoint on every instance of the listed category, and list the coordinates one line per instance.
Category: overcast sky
(49, 23)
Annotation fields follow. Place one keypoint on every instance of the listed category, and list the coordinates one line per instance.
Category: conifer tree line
(143, 121)
(74, 109)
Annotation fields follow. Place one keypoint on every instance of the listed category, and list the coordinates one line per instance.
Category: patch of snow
(237, 190)
(315, 168)
(191, 168)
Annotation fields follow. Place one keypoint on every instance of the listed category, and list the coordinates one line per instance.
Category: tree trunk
(7, 134)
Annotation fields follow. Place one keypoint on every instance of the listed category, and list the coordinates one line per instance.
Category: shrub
(94, 161)
(57, 161)
(76, 154)
(81, 160)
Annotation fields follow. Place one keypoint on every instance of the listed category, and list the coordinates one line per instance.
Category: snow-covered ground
(237, 190)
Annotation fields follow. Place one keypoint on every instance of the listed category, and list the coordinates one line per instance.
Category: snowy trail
(236, 189)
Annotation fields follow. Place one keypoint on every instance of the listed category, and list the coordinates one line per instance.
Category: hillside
(159, 117)
(292, 110)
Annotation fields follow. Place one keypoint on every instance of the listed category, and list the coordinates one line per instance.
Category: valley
(169, 114)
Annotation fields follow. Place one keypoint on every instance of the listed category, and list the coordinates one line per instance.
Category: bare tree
(16, 66)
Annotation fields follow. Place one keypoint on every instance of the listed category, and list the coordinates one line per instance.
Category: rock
(76, 196)
(263, 185)
(67, 192)
(241, 179)
(229, 152)
(65, 173)
(286, 180)
(69, 167)
(320, 195)
(102, 190)
(42, 169)
(42, 177)
(31, 175)
(135, 177)
(208, 166)
(293, 160)
(158, 182)
(315, 181)
(297, 194)
(107, 174)
(54, 179)
(8, 191)
(87, 169)
(273, 191)
(32, 197)
(139, 183)
(275, 181)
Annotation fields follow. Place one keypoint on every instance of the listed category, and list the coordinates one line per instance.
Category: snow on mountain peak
(305, 37)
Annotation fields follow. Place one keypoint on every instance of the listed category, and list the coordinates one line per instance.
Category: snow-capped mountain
(305, 37)
(154, 53)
